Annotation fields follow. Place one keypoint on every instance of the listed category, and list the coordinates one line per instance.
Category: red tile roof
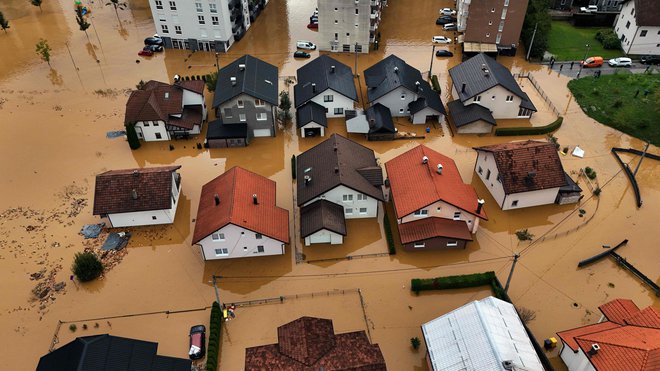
(235, 189)
(415, 185)
(430, 227)
(648, 317)
(113, 192)
(619, 309)
(569, 336)
(527, 166)
(309, 343)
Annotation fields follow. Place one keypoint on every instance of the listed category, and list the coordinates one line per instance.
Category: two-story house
(238, 217)
(524, 174)
(638, 27)
(434, 208)
(134, 197)
(160, 111)
(328, 83)
(401, 88)
(342, 172)
(246, 98)
(483, 81)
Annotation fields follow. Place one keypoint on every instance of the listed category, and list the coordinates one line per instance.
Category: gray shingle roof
(463, 115)
(473, 74)
(322, 214)
(380, 119)
(258, 79)
(311, 111)
(389, 74)
(320, 72)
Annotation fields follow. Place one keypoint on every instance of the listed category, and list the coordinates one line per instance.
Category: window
(514, 203)
(218, 236)
(261, 116)
(348, 34)
(346, 48)
(244, 248)
(215, 21)
(158, 136)
(241, 117)
(336, 21)
(258, 236)
(481, 171)
(336, 35)
(498, 38)
(488, 174)
(419, 245)
(506, 2)
(457, 215)
(260, 249)
(400, 110)
(335, 9)
(509, 98)
(146, 123)
(155, 123)
(499, 178)
(348, 211)
(177, 29)
(153, 217)
(361, 197)
(492, 98)
(643, 33)
(259, 103)
(222, 251)
(452, 243)
(501, 26)
(339, 111)
(628, 24)
(492, 10)
(487, 34)
(159, 4)
(504, 13)
(240, 103)
(422, 212)
(477, 98)
(201, 20)
(164, 28)
(356, 25)
(213, 7)
(228, 113)
(172, 5)
(347, 198)
(363, 210)
(328, 98)
(356, 11)
(198, 7)
(358, 48)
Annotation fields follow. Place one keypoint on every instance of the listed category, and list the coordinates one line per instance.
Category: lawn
(611, 100)
(568, 43)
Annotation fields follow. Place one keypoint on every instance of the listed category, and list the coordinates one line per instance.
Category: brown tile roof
(191, 115)
(322, 214)
(235, 189)
(113, 192)
(618, 310)
(431, 227)
(415, 185)
(196, 86)
(337, 161)
(157, 100)
(647, 13)
(527, 166)
(310, 344)
(569, 336)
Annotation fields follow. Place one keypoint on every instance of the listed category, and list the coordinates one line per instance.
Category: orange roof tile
(415, 185)
(619, 309)
(569, 336)
(625, 348)
(235, 189)
(648, 317)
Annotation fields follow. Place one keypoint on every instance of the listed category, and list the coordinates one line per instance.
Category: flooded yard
(54, 121)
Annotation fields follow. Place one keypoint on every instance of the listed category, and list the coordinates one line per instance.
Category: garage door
(261, 132)
(320, 237)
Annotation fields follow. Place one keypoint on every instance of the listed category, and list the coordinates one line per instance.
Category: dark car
(445, 19)
(443, 53)
(300, 54)
(197, 342)
(153, 41)
(153, 48)
(650, 59)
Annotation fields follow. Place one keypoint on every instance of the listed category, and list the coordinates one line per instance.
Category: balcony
(374, 15)
(375, 2)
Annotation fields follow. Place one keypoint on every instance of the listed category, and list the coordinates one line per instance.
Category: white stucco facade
(334, 103)
(232, 241)
(152, 131)
(575, 361)
(441, 209)
(635, 39)
(324, 236)
(420, 117)
(312, 125)
(354, 208)
(397, 101)
(477, 127)
(502, 103)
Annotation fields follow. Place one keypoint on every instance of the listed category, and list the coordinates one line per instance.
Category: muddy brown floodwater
(54, 119)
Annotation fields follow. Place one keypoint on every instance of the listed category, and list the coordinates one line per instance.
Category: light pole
(217, 66)
(586, 52)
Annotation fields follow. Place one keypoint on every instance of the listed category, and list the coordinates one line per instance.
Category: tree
(43, 49)
(526, 315)
(80, 19)
(37, 3)
(132, 137)
(524, 235)
(86, 266)
(3, 22)
(211, 81)
(537, 16)
(285, 106)
(415, 342)
(118, 5)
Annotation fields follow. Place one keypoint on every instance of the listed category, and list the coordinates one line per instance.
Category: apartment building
(638, 27)
(491, 22)
(207, 25)
(348, 25)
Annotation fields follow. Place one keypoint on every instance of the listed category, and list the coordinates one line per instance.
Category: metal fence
(539, 90)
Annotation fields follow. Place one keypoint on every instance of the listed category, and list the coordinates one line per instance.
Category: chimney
(440, 169)
(136, 173)
(308, 179)
(254, 199)
(396, 69)
(594, 349)
(425, 160)
(332, 69)
(233, 81)
(334, 148)
(508, 365)
(177, 78)
(463, 88)
(134, 194)
(217, 199)
(313, 87)
(241, 67)
(480, 204)
(336, 170)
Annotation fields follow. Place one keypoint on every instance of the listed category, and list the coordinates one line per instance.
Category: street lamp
(217, 66)
(586, 52)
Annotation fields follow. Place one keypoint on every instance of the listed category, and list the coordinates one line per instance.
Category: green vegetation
(452, 282)
(285, 106)
(211, 81)
(536, 130)
(524, 235)
(132, 137)
(435, 84)
(293, 167)
(80, 19)
(43, 50)
(591, 173)
(609, 39)
(388, 235)
(4, 24)
(86, 266)
(415, 342)
(624, 101)
(568, 43)
(537, 16)
(215, 332)
(73, 327)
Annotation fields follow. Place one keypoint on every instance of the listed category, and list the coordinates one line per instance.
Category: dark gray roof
(311, 111)
(473, 74)
(258, 80)
(427, 98)
(527, 103)
(110, 353)
(463, 115)
(322, 214)
(389, 74)
(219, 130)
(570, 186)
(337, 161)
(380, 120)
(319, 72)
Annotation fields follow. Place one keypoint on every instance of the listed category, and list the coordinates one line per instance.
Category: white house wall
(191, 99)
(420, 117)
(477, 127)
(529, 199)
(149, 132)
(486, 161)
(324, 236)
(632, 41)
(336, 195)
(392, 100)
(575, 361)
(441, 209)
(495, 100)
(240, 243)
(312, 125)
(338, 101)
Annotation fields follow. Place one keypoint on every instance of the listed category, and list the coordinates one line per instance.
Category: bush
(609, 39)
(435, 84)
(215, 329)
(388, 235)
(293, 167)
(211, 81)
(131, 136)
(590, 173)
(502, 132)
(452, 282)
(73, 327)
(86, 266)
(524, 235)
(597, 191)
(415, 342)
(526, 315)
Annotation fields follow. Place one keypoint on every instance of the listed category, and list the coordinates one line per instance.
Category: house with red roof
(238, 218)
(434, 208)
(160, 111)
(626, 338)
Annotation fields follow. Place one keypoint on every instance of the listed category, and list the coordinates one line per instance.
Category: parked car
(592, 62)
(650, 59)
(145, 53)
(443, 53)
(197, 342)
(589, 9)
(154, 40)
(313, 26)
(620, 62)
(302, 44)
(445, 19)
(447, 11)
(450, 27)
(153, 48)
(441, 40)
(300, 54)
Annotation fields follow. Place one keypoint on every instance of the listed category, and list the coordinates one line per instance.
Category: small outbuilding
(311, 120)
(219, 135)
(322, 222)
(470, 119)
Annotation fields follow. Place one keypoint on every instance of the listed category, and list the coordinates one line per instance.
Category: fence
(539, 90)
(283, 298)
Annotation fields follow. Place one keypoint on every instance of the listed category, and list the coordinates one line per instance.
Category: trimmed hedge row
(215, 332)
(452, 282)
(502, 132)
(388, 235)
(435, 84)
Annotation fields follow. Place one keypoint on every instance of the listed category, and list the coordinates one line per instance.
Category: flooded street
(54, 121)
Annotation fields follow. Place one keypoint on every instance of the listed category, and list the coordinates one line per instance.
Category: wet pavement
(54, 120)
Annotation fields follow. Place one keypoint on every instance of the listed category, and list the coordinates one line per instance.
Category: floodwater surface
(54, 119)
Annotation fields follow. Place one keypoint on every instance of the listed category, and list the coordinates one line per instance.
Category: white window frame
(222, 251)
(452, 243)
(347, 198)
(217, 236)
(215, 20)
(198, 7)
(421, 212)
(164, 28)
(213, 7)
(259, 102)
(159, 4)
(177, 30)
(258, 236)
(480, 171)
(241, 117)
(338, 111)
(477, 98)
(514, 203)
(172, 5)
(362, 212)
(457, 215)
(361, 197)
(240, 103)
(328, 98)
(509, 98)
(261, 116)
(348, 211)
(201, 20)
(260, 249)
(419, 245)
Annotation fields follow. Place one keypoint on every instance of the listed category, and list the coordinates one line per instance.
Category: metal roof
(467, 114)
(326, 73)
(380, 120)
(219, 130)
(256, 78)
(311, 112)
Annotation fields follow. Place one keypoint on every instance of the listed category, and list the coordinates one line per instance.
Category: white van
(302, 44)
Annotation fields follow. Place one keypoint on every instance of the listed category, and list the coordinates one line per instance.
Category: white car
(441, 40)
(447, 11)
(302, 44)
(620, 62)
(450, 27)
(589, 9)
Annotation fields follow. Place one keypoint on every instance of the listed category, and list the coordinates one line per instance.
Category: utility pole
(529, 50)
(356, 56)
(640, 160)
(217, 296)
(432, 56)
(508, 280)
(586, 52)
(217, 65)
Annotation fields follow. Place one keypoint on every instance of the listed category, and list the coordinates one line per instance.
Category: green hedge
(435, 84)
(388, 235)
(293, 166)
(452, 282)
(131, 135)
(503, 132)
(215, 333)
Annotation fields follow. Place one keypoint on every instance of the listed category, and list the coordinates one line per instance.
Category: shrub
(526, 315)
(73, 327)
(293, 166)
(211, 81)
(530, 130)
(215, 329)
(590, 173)
(86, 266)
(451, 282)
(524, 235)
(597, 191)
(388, 235)
(609, 39)
(415, 342)
(435, 84)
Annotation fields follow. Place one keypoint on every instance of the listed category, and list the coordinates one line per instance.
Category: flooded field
(54, 121)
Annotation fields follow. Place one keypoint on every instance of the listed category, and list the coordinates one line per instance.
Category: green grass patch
(611, 100)
(452, 282)
(568, 43)
(537, 130)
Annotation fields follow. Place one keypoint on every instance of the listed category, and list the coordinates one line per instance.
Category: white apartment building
(348, 25)
(638, 27)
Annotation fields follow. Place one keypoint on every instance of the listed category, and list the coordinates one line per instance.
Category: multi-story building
(348, 25)
(209, 25)
(638, 27)
(494, 22)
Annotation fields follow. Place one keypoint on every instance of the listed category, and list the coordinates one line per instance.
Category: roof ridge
(622, 328)
(232, 194)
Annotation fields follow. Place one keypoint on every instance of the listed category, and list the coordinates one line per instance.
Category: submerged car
(445, 19)
(447, 11)
(443, 53)
(145, 53)
(620, 62)
(154, 40)
(441, 40)
(450, 27)
(300, 54)
(153, 48)
(197, 342)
